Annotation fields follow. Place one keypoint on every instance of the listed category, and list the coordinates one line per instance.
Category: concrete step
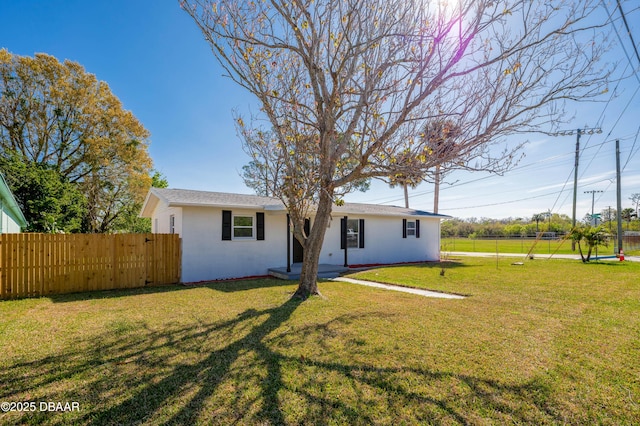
(324, 271)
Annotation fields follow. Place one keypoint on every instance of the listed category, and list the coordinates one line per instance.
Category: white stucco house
(232, 235)
(12, 219)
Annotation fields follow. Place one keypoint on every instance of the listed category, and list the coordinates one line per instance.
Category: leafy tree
(129, 220)
(514, 230)
(592, 236)
(346, 85)
(57, 114)
(537, 218)
(627, 214)
(50, 202)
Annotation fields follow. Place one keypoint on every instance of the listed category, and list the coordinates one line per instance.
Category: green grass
(520, 245)
(546, 342)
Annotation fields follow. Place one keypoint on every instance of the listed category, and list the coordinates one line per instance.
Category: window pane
(242, 221)
(353, 228)
(242, 232)
(411, 228)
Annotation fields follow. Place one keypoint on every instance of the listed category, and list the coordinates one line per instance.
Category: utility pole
(593, 197)
(619, 200)
(578, 133)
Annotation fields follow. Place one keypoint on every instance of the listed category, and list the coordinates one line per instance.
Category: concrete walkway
(419, 292)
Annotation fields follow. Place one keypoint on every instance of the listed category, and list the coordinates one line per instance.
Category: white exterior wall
(205, 256)
(383, 242)
(161, 218)
(7, 224)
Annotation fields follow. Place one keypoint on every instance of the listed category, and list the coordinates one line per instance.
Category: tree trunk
(406, 195)
(311, 258)
(581, 255)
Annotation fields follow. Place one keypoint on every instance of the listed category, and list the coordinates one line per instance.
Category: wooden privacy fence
(33, 265)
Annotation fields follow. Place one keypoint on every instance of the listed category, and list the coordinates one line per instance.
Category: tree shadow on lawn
(250, 369)
(446, 264)
(225, 286)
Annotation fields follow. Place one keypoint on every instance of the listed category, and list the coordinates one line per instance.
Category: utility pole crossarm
(577, 132)
(593, 197)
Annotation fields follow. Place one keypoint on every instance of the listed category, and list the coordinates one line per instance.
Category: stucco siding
(384, 242)
(205, 256)
(161, 221)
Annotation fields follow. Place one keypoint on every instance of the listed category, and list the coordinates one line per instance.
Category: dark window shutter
(226, 225)
(260, 226)
(343, 233)
(361, 242)
(417, 228)
(404, 228)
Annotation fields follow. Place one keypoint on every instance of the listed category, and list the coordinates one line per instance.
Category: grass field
(542, 343)
(521, 245)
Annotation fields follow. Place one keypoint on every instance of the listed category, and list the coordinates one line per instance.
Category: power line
(536, 167)
(624, 49)
(624, 110)
(626, 24)
(631, 153)
(548, 162)
(503, 202)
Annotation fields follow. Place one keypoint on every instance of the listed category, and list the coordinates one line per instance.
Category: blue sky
(155, 60)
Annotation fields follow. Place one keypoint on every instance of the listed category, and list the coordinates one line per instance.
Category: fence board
(33, 265)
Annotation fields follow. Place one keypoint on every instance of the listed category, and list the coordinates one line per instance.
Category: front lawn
(524, 246)
(545, 342)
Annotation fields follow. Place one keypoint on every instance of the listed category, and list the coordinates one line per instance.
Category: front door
(298, 251)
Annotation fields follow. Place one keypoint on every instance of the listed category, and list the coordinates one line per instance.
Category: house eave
(12, 203)
(228, 206)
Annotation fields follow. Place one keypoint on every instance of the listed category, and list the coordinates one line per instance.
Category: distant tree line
(519, 227)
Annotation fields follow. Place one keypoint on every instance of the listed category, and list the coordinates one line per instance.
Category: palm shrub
(590, 236)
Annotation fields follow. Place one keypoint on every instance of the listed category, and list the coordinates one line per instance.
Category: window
(353, 233)
(243, 227)
(411, 228)
(172, 224)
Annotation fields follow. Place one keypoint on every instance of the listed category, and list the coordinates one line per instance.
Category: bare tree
(441, 137)
(635, 198)
(264, 173)
(346, 85)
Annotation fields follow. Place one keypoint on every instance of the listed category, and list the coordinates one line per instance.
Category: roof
(188, 197)
(382, 210)
(10, 204)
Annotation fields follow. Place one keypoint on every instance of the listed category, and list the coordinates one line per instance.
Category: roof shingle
(188, 197)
